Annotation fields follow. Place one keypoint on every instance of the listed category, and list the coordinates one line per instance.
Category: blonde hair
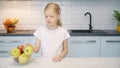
(56, 9)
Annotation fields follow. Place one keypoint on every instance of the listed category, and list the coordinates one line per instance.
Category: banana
(14, 21)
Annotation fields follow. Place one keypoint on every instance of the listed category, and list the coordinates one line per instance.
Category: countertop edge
(30, 33)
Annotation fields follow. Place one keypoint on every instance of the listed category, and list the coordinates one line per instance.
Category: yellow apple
(28, 50)
(23, 58)
(29, 57)
(15, 52)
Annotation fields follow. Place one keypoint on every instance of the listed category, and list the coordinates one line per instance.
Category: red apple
(16, 59)
(21, 48)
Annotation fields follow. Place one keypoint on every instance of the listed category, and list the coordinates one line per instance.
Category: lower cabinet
(9, 42)
(110, 46)
(84, 46)
(79, 46)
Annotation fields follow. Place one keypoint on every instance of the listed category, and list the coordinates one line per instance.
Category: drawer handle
(89, 41)
(113, 41)
(11, 41)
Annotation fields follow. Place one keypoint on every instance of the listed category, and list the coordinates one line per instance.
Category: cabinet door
(110, 46)
(84, 46)
(7, 43)
(32, 40)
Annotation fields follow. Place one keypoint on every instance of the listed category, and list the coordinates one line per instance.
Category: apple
(21, 48)
(15, 52)
(29, 57)
(16, 59)
(23, 58)
(28, 50)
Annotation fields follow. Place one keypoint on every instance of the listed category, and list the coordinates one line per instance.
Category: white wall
(31, 15)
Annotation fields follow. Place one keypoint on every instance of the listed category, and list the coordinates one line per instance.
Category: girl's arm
(37, 46)
(65, 48)
(63, 53)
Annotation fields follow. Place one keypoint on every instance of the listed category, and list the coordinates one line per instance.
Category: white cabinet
(79, 46)
(84, 46)
(9, 42)
(110, 46)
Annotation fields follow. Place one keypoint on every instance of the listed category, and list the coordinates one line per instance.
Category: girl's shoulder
(64, 32)
(63, 29)
(41, 28)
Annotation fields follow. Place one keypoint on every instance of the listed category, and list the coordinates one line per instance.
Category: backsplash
(31, 13)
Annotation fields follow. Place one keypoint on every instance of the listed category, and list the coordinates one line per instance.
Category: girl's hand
(57, 58)
(27, 44)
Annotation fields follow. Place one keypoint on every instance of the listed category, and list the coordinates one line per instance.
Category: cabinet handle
(11, 41)
(113, 41)
(89, 41)
(3, 51)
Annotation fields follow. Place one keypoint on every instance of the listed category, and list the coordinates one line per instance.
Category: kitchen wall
(31, 15)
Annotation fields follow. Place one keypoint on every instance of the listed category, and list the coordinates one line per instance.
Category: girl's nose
(48, 18)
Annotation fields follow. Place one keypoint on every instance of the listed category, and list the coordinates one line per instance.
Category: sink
(86, 31)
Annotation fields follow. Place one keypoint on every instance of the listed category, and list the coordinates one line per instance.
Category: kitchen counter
(101, 33)
(30, 33)
(17, 33)
(65, 63)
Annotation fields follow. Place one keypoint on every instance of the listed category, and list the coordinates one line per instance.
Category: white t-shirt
(51, 40)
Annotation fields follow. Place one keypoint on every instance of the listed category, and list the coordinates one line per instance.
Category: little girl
(52, 38)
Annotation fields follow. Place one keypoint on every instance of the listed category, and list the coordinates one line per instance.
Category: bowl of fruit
(10, 24)
(22, 54)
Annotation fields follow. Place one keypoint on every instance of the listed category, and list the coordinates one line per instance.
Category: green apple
(15, 52)
(23, 58)
(28, 50)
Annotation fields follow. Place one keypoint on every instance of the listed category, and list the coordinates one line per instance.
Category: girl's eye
(51, 16)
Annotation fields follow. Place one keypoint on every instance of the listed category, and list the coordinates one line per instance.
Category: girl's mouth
(48, 22)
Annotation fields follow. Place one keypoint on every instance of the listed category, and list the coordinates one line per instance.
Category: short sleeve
(37, 33)
(66, 35)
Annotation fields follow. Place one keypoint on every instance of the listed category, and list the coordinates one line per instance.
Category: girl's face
(51, 17)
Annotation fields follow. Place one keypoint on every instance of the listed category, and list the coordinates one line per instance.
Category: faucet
(90, 25)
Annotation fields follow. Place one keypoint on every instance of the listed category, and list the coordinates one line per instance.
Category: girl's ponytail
(59, 23)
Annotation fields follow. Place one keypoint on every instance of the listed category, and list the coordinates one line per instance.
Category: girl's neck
(52, 27)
